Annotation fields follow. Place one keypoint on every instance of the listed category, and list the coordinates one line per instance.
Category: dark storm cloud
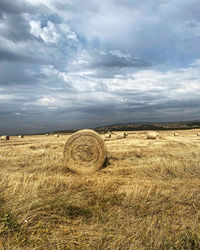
(14, 73)
(15, 7)
(15, 28)
(9, 56)
(77, 5)
(6, 55)
(4, 113)
(107, 64)
(110, 60)
(22, 6)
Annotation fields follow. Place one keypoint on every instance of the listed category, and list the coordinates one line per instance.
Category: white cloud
(48, 101)
(50, 71)
(52, 33)
(6, 97)
(48, 33)
(119, 54)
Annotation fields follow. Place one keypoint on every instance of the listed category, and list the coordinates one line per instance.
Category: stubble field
(145, 197)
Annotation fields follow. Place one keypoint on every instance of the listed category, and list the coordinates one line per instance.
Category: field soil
(146, 196)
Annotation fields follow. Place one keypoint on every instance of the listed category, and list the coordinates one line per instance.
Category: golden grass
(147, 197)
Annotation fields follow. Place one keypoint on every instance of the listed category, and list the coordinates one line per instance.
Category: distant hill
(143, 126)
(151, 126)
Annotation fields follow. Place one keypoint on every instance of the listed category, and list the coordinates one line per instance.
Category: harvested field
(146, 196)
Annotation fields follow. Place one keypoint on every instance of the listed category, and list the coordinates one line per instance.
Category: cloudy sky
(85, 63)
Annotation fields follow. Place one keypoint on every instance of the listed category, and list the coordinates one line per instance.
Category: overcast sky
(84, 63)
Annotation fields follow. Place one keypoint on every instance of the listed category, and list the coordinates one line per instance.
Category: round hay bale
(5, 137)
(46, 134)
(152, 135)
(57, 135)
(121, 136)
(21, 136)
(198, 134)
(125, 134)
(108, 135)
(85, 151)
(176, 134)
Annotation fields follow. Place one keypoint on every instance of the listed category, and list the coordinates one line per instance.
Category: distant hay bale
(21, 136)
(176, 134)
(5, 137)
(85, 151)
(121, 136)
(108, 135)
(152, 135)
(57, 135)
(114, 133)
(125, 134)
(198, 134)
(46, 134)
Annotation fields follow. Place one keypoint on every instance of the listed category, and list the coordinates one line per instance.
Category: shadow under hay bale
(85, 152)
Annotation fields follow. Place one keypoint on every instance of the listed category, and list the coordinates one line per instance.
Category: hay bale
(5, 137)
(121, 136)
(85, 151)
(20, 136)
(108, 135)
(114, 133)
(56, 135)
(152, 135)
(176, 134)
(198, 134)
(46, 134)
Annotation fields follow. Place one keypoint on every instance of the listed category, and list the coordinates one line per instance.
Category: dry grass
(147, 197)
